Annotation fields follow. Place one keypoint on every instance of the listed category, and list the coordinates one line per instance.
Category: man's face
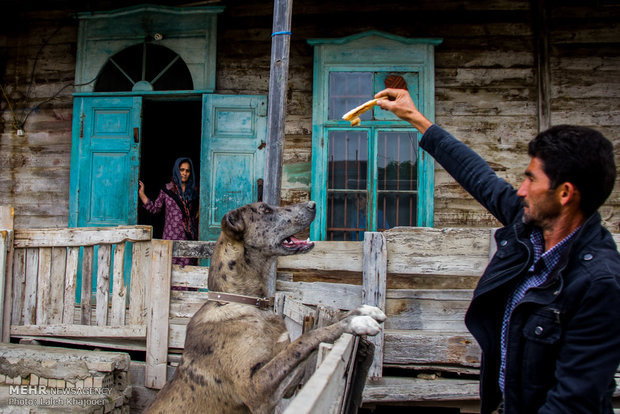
(541, 205)
(185, 171)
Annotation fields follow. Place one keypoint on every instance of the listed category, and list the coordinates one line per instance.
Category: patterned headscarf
(190, 191)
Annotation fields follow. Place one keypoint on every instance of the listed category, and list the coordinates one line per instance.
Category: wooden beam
(278, 85)
(276, 115)
(406, 389)
(158, 314)
(7, 216)
(81, 236)
(328, 384)
(92, 331)
(541, 36)
(374, 290)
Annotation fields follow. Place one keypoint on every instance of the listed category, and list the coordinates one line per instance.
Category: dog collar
(261, 303)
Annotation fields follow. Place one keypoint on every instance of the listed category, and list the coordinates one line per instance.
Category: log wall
(487, 86)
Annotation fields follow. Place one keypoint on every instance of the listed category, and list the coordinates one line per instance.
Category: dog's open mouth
(293, 244)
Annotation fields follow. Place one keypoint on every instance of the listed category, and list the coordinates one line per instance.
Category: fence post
(374, 275)
(158, 303)
(7, 215)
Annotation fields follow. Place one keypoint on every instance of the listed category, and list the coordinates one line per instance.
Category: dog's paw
(363, 325)
(372, 311)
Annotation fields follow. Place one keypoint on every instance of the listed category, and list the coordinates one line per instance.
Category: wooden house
(98, 95)
(491, 72)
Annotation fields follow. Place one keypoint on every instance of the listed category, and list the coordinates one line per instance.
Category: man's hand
(401, 105)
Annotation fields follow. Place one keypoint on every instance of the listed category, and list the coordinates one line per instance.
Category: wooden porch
(423, 279)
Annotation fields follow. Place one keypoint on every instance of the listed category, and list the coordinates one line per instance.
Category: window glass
(397, 179)
(347, 184)
(348, 90)
(159, 66)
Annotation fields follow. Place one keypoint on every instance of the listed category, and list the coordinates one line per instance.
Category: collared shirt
(537, 274)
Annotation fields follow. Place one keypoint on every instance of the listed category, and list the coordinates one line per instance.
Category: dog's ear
(233, 225)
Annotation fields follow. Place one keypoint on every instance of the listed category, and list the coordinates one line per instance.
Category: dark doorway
(170, 129)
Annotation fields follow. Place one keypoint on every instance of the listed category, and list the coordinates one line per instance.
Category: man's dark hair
(581, 156)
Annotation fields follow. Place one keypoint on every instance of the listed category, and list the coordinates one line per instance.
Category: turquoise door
(232, 158)
(105, 161)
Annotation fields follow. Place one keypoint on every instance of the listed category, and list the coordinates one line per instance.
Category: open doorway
(170, 129)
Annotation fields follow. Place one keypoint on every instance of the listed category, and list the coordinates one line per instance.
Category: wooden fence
(423, 279)
(40, 291)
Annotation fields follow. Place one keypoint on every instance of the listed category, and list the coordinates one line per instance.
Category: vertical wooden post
(278, 85)
(7, 215)
(158, 314)
(541, 36)
(276, 114)
(374, 275)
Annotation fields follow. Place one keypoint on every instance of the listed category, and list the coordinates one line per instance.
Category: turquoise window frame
(395, 54)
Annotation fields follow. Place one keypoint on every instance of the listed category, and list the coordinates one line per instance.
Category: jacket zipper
(529, 255)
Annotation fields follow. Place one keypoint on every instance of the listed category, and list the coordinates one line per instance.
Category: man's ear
(569, 193)
(233, 225)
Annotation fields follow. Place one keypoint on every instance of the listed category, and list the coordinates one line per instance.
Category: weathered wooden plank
(140, 274)
(189, 248)
(86, 236)
(184, 304)
(184, 309)
(117, 332)
(405, 347)
(404, 389)
(57, 285)
(103, 284)
(458, 252)
(336, 295)
(278, 88)
(30, 291)
(43, 285)
(87, 284)
(6, 253)
(19, 286)
(296, 310)
(71, 271)
(190, 276)
(437, 310)
(157, 340)
(374, 290)
(7, 215)
(296, 316)
(327, 256)
(176, 333)
(119, 297)
(325, 390)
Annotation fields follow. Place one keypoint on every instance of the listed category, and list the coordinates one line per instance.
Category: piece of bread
(353, 115)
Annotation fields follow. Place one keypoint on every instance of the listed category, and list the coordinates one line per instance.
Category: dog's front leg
(273, 379)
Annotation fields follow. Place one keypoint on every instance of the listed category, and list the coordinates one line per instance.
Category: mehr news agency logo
(41, 395)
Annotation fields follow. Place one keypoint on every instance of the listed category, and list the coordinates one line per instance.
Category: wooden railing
(128, 309)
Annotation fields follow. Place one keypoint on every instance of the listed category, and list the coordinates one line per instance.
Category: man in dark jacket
(546, 311)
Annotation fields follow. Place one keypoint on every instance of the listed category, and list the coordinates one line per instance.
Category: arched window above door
(144, 67)
(164, 33)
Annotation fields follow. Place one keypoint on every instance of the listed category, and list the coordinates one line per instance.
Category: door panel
(232, 159)
(105, 161)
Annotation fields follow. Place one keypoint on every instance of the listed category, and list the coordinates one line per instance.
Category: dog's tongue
(292, 242)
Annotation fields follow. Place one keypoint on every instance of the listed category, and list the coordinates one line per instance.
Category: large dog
(238, 357)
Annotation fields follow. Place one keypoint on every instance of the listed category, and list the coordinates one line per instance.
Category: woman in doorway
(180, 199)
